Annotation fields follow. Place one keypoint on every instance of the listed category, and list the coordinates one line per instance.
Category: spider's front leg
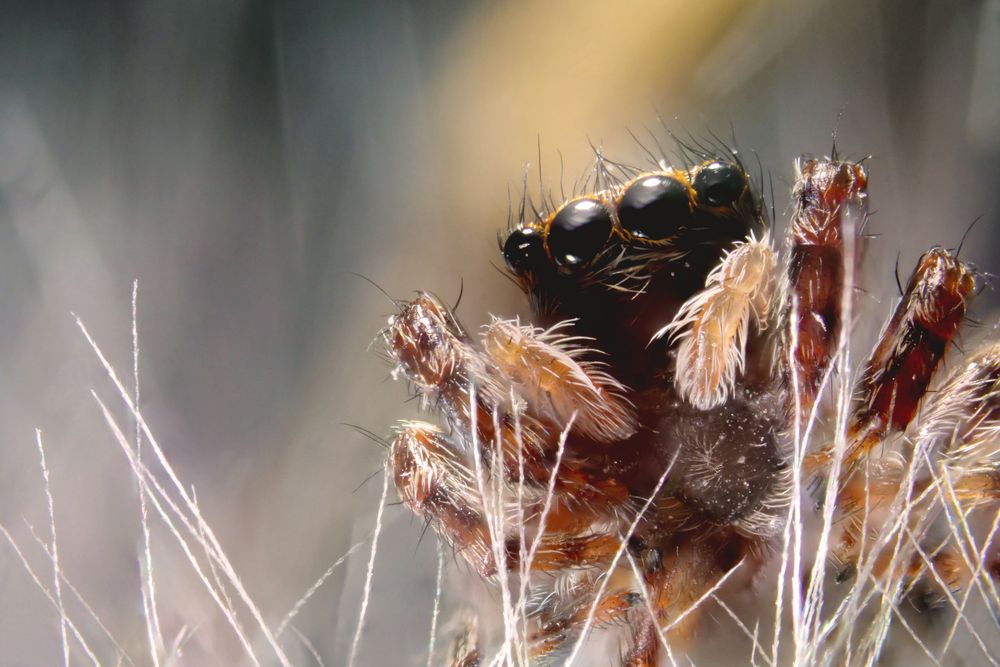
(499, 444)
(831, 206)
(437, 485)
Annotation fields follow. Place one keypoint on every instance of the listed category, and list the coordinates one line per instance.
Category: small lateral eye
(654, 207)
(524, 251)
(578, 231)
(719, 184)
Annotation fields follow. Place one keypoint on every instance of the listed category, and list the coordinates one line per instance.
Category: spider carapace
(643, 438)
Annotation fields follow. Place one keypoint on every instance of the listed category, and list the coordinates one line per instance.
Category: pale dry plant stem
(496, 542)
(56, 572)
(525, 583)
(438, 587)
(890, 607)
(369, 573)
(38, 582)
(965, 540)
(147, 480)
(498, 537)
(752, 636)
(522, 538)
(147, 586)
(961, 542)
(297, 607)
(959, 609)
(309, 646)
(794, 522)
(215, 549)
(779, 596)
(213, 571)
(173, 652)
(979, 572)
(79, 598)
(858, 597)
(711, 591)
(814, 593)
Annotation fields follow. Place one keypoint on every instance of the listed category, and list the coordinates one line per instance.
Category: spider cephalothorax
(657, 435)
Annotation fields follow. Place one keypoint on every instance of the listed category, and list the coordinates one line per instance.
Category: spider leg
(464, 650)
(910, 348)
(677, 579)
(961, 425)
(448, 371)
(555, 633)
(960, 435)
(435, 483)
(552, 373)
(830, 204)
(713, 325)
(560, 551)
(644, 646)
(954, 466)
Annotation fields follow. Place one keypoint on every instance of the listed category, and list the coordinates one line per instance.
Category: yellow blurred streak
(565, 72)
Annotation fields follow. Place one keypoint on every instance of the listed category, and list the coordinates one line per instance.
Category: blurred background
(240, 158)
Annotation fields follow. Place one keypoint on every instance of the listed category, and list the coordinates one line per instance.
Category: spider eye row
(652, 208)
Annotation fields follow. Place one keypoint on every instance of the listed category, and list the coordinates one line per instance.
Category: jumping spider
(670, 416)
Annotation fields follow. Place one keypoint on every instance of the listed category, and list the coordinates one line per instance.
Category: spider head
(426, 342)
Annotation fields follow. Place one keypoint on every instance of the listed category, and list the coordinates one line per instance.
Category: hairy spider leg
(830, 207)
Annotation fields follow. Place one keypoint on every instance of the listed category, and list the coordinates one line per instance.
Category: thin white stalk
(297, 607)
(216, 550)
(309, 646)
(710, 592)
(369, 574)
(438, 586)
(56, 572)
(79, 598)
(147, 480)
(147, 585)
(45, 591)
(752, 636)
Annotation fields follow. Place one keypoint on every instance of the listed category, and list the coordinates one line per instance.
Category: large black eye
(654, 207)
(579, 231)
(719, 184)
(524, 251)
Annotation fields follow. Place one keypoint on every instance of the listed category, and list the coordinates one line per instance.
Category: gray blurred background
(241, 157)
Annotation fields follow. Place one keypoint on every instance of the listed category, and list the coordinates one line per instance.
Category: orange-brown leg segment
(895, 379)
(910, 348)
(957, 447)
(559, 552)
(961, 422)
(830, 201)
(644, 644)
(434, 482)
(464, 650)
(556, 632)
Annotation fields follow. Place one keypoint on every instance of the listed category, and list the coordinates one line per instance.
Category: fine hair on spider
(680, 427)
